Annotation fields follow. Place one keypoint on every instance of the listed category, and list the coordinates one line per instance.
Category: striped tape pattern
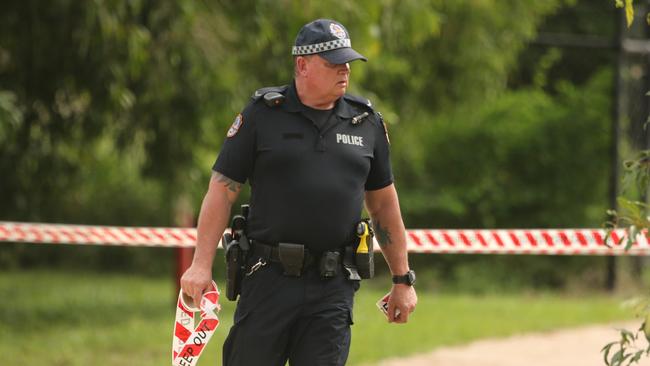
(501, 241)
(189, 340)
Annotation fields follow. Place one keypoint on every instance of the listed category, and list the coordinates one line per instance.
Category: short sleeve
(237, 155)
(381, 171)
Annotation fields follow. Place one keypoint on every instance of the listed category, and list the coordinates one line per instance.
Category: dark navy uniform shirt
(307, 180)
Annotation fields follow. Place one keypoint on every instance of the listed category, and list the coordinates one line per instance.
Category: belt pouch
(329, 264)
(291, 257)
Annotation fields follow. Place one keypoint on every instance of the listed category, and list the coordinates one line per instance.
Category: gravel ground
(570, 347)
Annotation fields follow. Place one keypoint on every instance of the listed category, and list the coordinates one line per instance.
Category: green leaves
(632, 214)
(626, 348)
(90, 72)
(479, 164)
(637, 172)
(605, 350)
(629, 12)
(10, 111)
(166, 80)
(633, 217)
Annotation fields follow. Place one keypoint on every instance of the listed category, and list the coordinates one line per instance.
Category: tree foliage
(518, 160)
(92, 91)
(633, 217)
(152, 85)
(111, 111)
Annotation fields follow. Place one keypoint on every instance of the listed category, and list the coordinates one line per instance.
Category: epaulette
(364, 104)
(357, 100)
(272, 95)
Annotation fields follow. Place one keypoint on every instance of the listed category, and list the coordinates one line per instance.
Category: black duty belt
(295, 258)
(271, 253)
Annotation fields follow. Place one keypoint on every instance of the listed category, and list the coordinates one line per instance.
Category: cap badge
(232, 131)
(337, 31)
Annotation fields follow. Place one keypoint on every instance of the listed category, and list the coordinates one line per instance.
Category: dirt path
(571, 347)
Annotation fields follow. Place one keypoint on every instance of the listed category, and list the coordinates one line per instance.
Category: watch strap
(408, 278)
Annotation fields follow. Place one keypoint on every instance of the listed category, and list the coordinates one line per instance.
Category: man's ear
(301, 65)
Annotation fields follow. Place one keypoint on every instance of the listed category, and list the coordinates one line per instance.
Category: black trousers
(305, 320)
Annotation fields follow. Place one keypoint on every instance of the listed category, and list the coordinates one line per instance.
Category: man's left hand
(402, 298)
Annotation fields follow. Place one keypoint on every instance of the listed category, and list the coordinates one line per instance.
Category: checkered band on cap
(321, 47)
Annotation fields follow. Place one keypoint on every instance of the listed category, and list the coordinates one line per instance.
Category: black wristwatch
(407, 279)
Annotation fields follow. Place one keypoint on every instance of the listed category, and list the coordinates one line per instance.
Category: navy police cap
(327, 38)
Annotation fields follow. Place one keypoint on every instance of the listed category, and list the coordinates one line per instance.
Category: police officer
(312, 155)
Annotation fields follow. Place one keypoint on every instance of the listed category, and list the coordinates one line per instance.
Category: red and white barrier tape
(189, 341)
(100, 235)
(504, 241)
(526, 241)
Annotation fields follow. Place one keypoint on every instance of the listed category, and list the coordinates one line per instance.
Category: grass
(51, 318)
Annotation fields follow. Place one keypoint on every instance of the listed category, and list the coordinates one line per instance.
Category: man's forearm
(391, 234)
(383, 207)
(210, 228)
(213, 218)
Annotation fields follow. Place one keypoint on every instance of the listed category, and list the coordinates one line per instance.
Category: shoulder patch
(234, 128)
(381, 118)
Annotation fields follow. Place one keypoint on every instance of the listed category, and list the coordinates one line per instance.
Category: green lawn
(76, 318)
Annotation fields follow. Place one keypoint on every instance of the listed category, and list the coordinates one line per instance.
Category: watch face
(411, 277)
(408, 278)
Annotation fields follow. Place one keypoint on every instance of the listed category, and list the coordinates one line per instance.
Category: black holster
(365, 261)
(237, 247)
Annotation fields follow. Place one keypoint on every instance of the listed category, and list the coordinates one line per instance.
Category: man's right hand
(195, 281)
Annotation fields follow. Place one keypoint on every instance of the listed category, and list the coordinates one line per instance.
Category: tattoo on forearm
(382, 233)
(229, 183)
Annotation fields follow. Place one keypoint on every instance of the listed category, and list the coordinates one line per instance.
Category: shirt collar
(293, 104)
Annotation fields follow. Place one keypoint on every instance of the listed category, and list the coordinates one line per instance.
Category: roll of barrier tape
(188, 340)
